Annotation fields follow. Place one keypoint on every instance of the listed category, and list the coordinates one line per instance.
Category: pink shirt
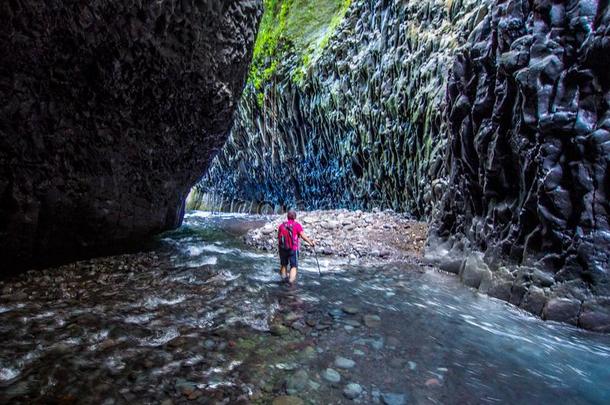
(297, 229)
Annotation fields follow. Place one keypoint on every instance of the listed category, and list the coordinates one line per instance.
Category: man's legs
(284, 261)
(293, 266)
(293, 275)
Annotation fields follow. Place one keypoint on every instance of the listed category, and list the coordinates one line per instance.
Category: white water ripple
(154, 302)
(164, 337)
(7, 374)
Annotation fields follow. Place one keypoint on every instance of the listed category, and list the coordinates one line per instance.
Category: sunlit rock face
(111, 111)
(529, 131)
(363, 128)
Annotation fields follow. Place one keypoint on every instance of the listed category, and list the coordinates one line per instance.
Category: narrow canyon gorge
(448, 161)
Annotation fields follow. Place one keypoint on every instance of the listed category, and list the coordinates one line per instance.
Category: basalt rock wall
(529, 132)
(491, 118)
(110, 112)
(363, 128)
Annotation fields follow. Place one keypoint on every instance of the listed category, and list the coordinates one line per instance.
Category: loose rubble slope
(357, 235)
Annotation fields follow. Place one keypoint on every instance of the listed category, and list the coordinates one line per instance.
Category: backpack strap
(289, 228)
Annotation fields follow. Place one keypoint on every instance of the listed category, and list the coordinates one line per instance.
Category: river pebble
(350, 310)
(372, 321)
(332, 376)
(297, 382)
(391, 398)
(343, 362)
(352, 390)
(279, 330)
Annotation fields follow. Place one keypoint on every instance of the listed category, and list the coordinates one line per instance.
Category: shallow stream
(201, 318)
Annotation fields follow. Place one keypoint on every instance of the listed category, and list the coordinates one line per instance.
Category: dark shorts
(289, 256)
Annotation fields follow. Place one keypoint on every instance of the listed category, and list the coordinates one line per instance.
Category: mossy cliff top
(298, 28)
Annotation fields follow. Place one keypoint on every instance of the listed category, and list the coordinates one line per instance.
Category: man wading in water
(288, 234)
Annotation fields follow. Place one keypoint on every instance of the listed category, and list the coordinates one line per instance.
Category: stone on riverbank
(562, 310)
(367, 236)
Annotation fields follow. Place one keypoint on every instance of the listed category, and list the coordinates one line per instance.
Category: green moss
(293, 27)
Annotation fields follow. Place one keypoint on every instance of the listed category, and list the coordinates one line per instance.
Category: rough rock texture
(362, 128)
(111, 110)
(491, 116)
(529, 127)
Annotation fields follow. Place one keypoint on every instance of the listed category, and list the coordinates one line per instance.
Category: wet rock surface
(363, 129)
(111, 111)
(191, 322)
(355, 235)
(529, 129)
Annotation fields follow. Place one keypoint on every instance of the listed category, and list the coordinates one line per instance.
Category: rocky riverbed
(356, 235)
(201, 319)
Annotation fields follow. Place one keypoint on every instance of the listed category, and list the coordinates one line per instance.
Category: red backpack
(285, 236)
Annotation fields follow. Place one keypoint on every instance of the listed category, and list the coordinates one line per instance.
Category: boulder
(595, 314)
(474, 270)
(500, 289)
(534, 301)
(562, 310)
(111, 111)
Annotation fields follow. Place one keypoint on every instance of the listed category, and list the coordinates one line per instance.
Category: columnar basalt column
(529, 130)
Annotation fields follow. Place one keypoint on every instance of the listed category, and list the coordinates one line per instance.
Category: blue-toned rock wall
(363, 128)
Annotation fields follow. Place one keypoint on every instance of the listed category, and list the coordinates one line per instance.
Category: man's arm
(306, 239)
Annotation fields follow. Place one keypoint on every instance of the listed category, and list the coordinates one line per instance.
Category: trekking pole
(318, 263)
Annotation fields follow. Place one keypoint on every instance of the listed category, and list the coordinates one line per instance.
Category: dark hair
(292, 214)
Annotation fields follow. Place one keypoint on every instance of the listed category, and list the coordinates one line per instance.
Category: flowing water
(201, 318)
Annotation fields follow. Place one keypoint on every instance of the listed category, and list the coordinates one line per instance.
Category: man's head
(292, 214)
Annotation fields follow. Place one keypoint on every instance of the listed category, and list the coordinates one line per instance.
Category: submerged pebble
(372, 321)
(331, 375)
(352, 390)
(343, 362)
(297, 382)
(391, 398)
(287, 400)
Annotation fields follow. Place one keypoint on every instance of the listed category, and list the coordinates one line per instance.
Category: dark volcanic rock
(534, 301)
(111, 111)
(529, 127)
(595, 315)
(562, 310)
